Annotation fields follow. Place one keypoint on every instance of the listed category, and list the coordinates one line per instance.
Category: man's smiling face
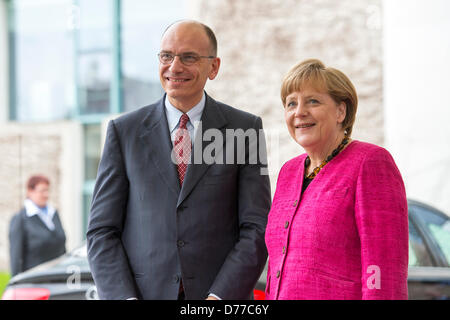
(184, 84)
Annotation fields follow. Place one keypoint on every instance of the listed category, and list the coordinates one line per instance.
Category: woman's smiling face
(313, 118)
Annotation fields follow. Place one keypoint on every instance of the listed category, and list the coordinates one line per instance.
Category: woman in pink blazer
(338, 226)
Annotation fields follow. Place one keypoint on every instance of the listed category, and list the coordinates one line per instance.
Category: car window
(442, 235)
(418, 252)
(438, 227)
(412, 256)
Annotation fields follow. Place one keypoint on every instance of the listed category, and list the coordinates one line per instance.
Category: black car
(429, 252)
(65, 278)
(69, 277)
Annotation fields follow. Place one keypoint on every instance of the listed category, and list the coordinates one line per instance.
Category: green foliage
(4, 278)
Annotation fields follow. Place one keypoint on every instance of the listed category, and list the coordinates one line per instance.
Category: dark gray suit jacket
(32, 243)
(146, 233)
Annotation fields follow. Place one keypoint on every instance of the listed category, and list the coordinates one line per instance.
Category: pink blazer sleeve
(382, 222)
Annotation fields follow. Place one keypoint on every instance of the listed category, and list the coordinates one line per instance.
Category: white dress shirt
(47, 217)
(174, 115)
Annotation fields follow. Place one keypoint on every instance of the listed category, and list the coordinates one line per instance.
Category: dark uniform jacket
(31, 242)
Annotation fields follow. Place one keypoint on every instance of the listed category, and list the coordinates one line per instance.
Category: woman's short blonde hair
(313, 73)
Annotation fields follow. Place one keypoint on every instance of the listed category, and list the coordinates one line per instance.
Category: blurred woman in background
(36, 234)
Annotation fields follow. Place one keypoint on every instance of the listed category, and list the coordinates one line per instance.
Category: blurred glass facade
(82, 61)
(41, 51)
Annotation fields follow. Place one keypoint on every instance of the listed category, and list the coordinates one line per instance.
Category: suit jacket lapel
(212, 118)
(155, 137)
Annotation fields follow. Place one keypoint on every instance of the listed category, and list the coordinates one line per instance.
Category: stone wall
(50, 149)
(259, 41)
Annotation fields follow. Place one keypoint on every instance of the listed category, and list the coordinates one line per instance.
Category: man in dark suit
(166, 222)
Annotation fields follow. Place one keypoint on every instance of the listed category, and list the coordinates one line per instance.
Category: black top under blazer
(31, 242)
(147, 234)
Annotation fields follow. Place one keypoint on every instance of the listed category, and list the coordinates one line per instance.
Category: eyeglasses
(187, 59)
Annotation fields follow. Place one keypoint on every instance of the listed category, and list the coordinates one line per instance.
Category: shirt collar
(174, 115)
(32, 209)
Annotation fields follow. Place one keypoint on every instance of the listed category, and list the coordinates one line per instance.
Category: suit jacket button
(180, 243)
(295, 203)
(286, 224)
(278, 273)
(176, 278)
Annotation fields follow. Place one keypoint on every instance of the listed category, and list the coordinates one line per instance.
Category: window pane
(94, 83)
(94, 56)
(87, 199)
(143, 23)
(95, 24)
(412, 256)
(43, 56)
(418, 252)
(442, 235)
(439, 228)
(92, 136)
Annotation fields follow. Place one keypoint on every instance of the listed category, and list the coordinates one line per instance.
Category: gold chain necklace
(335, 152)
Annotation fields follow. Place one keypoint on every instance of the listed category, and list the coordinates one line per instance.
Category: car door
(429, 253)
